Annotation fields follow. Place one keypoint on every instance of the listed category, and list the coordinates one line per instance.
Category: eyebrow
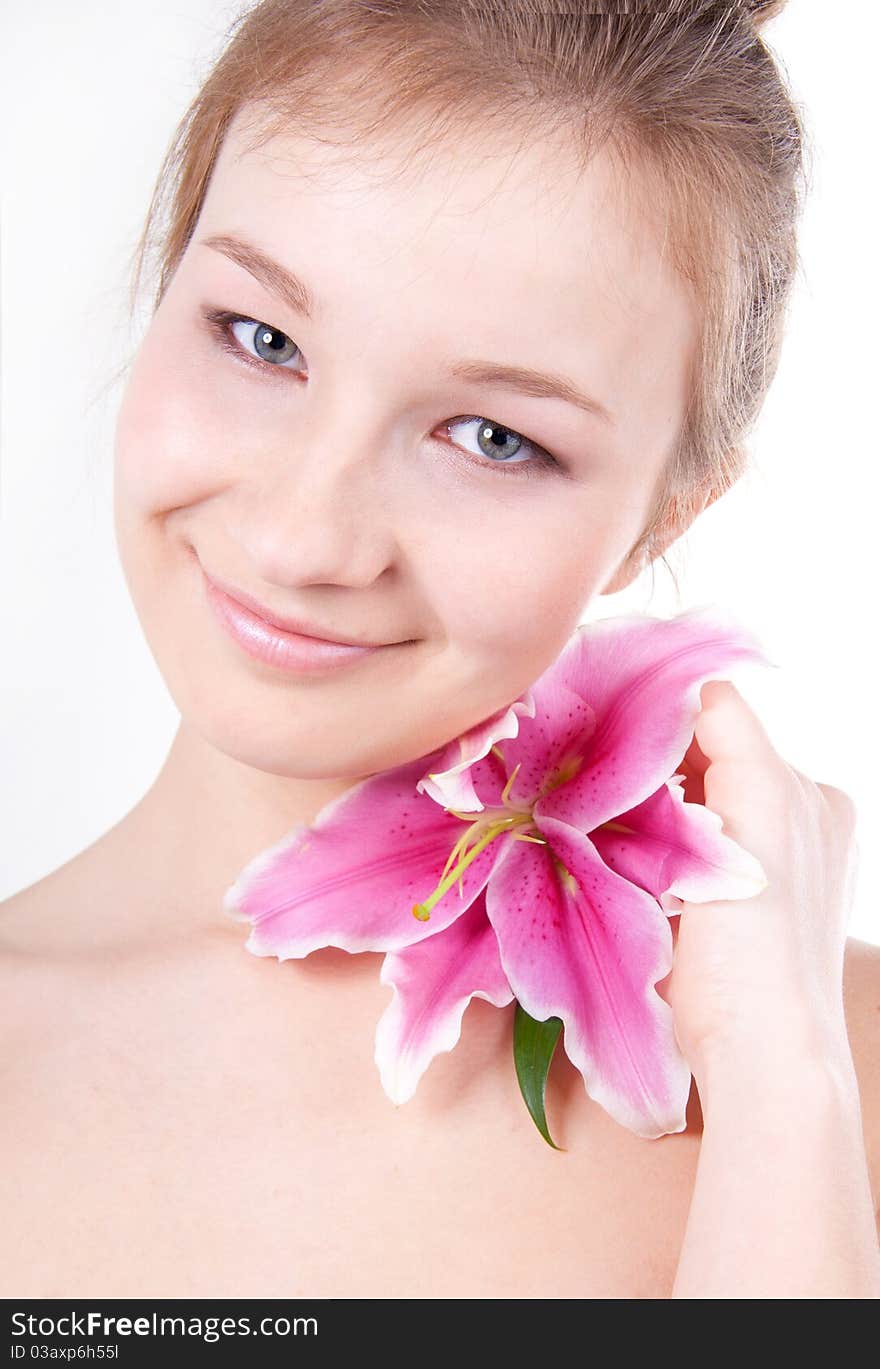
(278, 279)
(286, 285)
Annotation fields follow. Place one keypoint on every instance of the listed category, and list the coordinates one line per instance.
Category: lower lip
(286, 650)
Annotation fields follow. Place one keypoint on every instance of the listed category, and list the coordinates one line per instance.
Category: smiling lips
(265, 641)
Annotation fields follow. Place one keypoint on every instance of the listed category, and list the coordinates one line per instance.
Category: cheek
(170, 444)
(510, 598)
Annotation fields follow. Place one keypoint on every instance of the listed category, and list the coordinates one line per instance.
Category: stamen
(505, 793)
(423, 910)
(458, 849)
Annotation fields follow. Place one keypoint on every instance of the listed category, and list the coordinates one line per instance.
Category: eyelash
(220, 322)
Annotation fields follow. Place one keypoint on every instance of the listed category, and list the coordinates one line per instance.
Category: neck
(205, 816)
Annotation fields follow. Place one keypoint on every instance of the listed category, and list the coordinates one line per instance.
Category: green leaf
(533, 1046)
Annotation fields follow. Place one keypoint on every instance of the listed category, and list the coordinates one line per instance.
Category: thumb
(747, 781)
(727, 728)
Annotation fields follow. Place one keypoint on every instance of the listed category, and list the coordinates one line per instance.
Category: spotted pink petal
(641, 676)
(562, 729)
(676, 847)
(433, 982)
(450, 781)
(351, 879)
(591, 955)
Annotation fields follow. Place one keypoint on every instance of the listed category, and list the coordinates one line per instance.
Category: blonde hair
(688, 97)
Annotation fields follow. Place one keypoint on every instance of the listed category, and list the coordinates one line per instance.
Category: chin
(306, 743)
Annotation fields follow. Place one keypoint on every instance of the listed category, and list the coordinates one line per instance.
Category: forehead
(525, 198)
(509, 242)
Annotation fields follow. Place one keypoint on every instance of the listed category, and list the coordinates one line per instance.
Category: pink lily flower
(534, 858)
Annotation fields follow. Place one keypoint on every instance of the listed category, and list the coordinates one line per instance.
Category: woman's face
(359, 467)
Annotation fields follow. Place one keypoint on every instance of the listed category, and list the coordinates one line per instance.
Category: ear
(668, 531)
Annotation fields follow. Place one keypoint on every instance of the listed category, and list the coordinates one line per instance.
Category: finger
(726, 728)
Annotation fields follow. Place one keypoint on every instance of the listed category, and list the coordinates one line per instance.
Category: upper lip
(298, 625)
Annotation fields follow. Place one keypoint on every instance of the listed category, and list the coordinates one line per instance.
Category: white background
(90, 95)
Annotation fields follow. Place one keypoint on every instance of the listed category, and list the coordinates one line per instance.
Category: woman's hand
(782, 1204)
(755, 977)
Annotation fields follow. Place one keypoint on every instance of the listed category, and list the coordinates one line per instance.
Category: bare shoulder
(33, 935)
(77, 908)
(22, 915)
(48, 930)
(861, 992)
(44, 915)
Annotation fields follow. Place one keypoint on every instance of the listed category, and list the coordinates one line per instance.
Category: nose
(313, 509)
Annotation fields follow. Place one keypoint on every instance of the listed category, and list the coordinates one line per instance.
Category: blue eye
(273, 348)
(498, 447)
(271, 344)
(502, 446)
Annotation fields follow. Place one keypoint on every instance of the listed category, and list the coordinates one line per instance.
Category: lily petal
(449, 781)
(549, 749)
(433, 982)
(351, 879)
(589, 949)
(642, 677)
(676, 847)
